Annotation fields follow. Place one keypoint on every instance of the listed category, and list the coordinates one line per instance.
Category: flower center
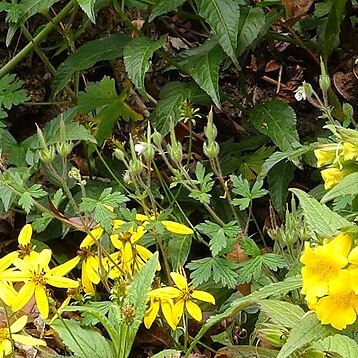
(324, 270)
(39, 278)
(186, 294)
(4, 334)
(125, 236)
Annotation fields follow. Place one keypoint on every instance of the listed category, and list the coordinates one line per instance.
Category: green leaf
(279, 178)
(347, 186)
(281, 312)
(320, 219)
(172, 95)
(218, 269)
(223, 17)
(329, 33)
(242, 351)
(339, 344)
(88, 7)
(164, 6)
(277, 120)
(202, 64)
(26, 199)
(178, 250)
(137, 55)
(11, 92)
(86, 56)
(83, 342)
(308, 330)
(252, 20)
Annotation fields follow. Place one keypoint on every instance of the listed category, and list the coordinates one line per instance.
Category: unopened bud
(210, 130)
(119, 154)
(157, 138)
(271, 334)
(176, 152)
(47, 155)
(324, 80)
(135, 167)
(149, 152)
(211, 150)
(348, 111)
(64, 149)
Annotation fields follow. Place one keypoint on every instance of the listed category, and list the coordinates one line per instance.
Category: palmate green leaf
(284, 313)
(11, 92)
(88, 7)
(344, 346)
(202, 64)
(223, 17)
(178, 250)
(328, 35)
(164, 6)
(252, 20)
(308, 330)
(86, 56)
(347, 186)
(320, 219)
(277, 120)
(83, 342)
(172, 95)
(220, 270)
(279, 179)
(277, 289)
(26, 199)
(137, 55)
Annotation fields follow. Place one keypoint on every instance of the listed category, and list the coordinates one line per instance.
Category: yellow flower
(7, 292)
(7, 335)
(323, 272)
(36, 275)
(184, 296)
(333, 176)
(326, 155)
(350, 151)
(337, 310)
(153, 310)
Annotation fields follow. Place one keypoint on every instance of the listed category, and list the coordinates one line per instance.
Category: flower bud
(64, 149)
(211, 150)
(47, 155)
(119, 154)
(157, 138)
(210, 130)
(273, 335)
(149, 152)
(135, 167)
(176, 152)
(324, 80)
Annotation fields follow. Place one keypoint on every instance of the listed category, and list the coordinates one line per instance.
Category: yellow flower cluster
(174, 301)
(341, 160)
(330, 280)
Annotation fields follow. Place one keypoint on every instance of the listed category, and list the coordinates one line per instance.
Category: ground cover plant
(178, 178)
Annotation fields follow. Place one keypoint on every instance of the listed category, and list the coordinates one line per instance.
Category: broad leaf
(168, 108)
(340, 344)
(252, 20)
(320, 219)
(137, 55)
(88, 7)
(86, 56)
(281, 312)
(279, 178)
(347, 186)
(223, 17)
(164, 6)
(202, 64)
(278, 121)
(308, 330)
(83, 342)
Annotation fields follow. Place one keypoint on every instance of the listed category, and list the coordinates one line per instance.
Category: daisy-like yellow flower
(184, 297)
(11, 333)
(323, 271)
(350, 151)
(337, 310)
(332, 176)
(326, 155)
(152, 312)
(36, 275)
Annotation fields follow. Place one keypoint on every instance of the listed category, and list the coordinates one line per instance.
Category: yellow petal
(117, 224)
(177, 228)
(127, 256)
(203, 296)
(151, 313)
(65, 268)
(44, 258)
(136, 235)
(27, 340)
(24, 296)
(167, 309)
(7, 260)
(42, 301)
(19, 324)
(116, 242)
(194, 310)
(61, 282)
(7, 347)
(178, 311)
(353, 256)
(25, 235)
(141, 217)
(7, 293)
(179, 280)
(90, 270)
(166, 292)
(86, 283)
(15, 276)
(92, 237)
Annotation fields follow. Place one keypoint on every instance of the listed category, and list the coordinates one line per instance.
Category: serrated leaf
(11, 92)
(172, 96)
(340, 344)
(281, 312)
(279, 179)
(202, 64)
(178, 250)
(252, 20)
(86, 56)
(277, 120)
(223, 17)
(347, 186)
(308, 330)
(137, 55)
(85, 342)
(88, 8)
(164, 6)
(320, 219)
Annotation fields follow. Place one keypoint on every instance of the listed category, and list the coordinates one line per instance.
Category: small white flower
(139, 148)
(300, 94)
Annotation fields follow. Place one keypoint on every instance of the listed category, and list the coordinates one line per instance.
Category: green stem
(37, 39)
